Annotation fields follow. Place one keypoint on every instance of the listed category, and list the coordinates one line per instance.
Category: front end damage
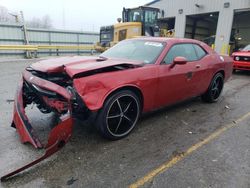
(66, 87)
(48, 96)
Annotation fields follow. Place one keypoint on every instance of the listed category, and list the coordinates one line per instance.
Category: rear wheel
(215, 88)
(119, 115)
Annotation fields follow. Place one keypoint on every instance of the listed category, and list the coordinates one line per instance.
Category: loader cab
(140, 21)
(148, 17)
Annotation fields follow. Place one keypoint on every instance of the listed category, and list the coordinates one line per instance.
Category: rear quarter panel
(228, 66)
(218, 63)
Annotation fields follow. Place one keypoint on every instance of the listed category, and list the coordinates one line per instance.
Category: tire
(234, 70)
(119, 115)
(215, 89)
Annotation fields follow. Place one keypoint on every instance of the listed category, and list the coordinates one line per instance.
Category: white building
(223, 23)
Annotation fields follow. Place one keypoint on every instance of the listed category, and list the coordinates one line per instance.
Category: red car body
(85, 83)
(241, 60)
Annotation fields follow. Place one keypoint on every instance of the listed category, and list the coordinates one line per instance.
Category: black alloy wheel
(215, 89)
(119, 115)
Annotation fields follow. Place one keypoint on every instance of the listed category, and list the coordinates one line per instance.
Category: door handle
(197, 66)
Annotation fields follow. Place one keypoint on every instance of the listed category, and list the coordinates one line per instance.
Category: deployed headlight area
(60, 78)
(79, 108)
(45, 100)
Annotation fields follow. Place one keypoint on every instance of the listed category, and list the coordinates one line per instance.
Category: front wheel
(215, 88)
(119, 115)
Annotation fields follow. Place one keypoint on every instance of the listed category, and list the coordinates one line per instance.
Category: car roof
(172, 41)
(165, 39)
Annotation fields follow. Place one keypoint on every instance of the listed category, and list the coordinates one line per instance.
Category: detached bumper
(21, 122)
(58, 136)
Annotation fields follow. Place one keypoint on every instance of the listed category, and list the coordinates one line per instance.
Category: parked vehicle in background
(242, 59)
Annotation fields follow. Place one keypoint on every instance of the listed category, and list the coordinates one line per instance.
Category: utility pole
(26, 39)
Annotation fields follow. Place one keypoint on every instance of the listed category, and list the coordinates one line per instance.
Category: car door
(179, 82)
(201, 78)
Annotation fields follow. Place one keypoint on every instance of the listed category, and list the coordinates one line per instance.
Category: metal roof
(152, 2)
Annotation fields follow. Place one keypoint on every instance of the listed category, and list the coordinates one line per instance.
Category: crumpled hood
(78, 64)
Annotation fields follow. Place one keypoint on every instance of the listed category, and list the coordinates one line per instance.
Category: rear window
(199, 51)
(182, 50)
(192, 52)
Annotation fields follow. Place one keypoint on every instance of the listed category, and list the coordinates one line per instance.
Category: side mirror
(179, 61)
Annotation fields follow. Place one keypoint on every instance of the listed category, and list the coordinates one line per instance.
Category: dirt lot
(192, 144)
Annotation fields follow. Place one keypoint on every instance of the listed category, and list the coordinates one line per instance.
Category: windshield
(150, 17)
(135, 16)
(141, 15)
(139, 50)
(247, 48)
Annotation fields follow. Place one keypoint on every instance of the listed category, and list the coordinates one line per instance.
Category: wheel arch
(132, 88)
(222, 72)
(207, 95)
(103, 125)
(213, 75)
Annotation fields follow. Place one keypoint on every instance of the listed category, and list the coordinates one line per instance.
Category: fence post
(213, 46)
(78, 43)
(229, 49)
(49, 42)
(26, 40)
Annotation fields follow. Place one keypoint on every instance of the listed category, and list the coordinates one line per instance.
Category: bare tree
(34, 22)
(45, 22)
(5, 16)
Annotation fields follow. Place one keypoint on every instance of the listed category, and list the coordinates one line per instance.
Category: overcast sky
(73, 14)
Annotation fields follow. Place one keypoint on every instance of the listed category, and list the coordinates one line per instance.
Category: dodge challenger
(134, 76)
(242, 59)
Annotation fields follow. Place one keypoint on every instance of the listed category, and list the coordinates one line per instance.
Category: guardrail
(36, 48)
(19, 47)
(60, 47)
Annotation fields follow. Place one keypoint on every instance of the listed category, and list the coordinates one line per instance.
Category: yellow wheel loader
(135, 22)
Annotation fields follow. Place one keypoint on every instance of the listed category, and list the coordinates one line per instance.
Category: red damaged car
(134, 76)
(242, 59)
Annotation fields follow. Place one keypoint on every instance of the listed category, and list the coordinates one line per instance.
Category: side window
(199, 51)
(183, 50)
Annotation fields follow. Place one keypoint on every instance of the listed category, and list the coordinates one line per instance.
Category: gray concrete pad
(95, 162)
(222, 163)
